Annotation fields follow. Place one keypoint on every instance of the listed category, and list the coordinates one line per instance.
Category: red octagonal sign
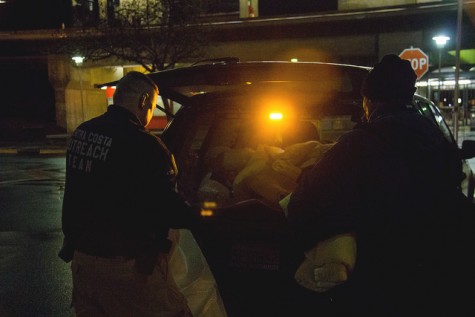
(419, 60)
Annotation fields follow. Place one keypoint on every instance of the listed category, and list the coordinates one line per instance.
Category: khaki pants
(112, 287)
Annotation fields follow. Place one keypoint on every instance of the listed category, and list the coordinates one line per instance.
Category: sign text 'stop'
(419, 60)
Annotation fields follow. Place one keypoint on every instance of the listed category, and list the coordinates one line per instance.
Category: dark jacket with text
(120, 195)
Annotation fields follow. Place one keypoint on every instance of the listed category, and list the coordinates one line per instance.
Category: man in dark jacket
(388, 182)
(119, 205)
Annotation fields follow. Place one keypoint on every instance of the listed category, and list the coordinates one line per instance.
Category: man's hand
(329, 264)
(322, 278)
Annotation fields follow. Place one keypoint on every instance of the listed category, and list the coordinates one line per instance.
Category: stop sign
(419, 60)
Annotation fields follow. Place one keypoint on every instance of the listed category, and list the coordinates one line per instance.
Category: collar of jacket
(123, 112)
(386, 110)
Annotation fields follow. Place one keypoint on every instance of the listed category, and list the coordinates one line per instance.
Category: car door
(429, 110)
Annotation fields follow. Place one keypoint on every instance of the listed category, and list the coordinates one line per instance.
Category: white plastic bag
(194, 277)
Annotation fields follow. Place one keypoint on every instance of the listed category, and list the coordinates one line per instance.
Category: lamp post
(440, 41)
(78, 60)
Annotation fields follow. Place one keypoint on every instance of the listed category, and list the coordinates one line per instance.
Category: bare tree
(155, 34)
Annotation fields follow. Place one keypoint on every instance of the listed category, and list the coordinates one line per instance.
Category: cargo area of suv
(242, 134)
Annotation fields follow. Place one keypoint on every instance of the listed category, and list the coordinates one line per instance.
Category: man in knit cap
(385, 182)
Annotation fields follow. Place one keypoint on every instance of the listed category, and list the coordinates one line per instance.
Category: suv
(242, 133)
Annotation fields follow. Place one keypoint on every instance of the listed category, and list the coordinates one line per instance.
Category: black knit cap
(391, 79)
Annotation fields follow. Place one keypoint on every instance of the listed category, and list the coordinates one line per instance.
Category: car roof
(207, 80)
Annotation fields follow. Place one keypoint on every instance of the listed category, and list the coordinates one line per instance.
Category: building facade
(344, 31)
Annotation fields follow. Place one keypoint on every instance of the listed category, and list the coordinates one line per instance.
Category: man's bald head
(137, 93)
(132, 88)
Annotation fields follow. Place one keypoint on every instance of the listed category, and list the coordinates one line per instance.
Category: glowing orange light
(207, 208)
(276, 116)
(206, 212)
(209, 204)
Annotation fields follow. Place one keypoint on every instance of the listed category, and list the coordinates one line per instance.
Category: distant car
(242, 133)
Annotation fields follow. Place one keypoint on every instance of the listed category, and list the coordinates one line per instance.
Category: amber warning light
(275, 116)
(207, 209)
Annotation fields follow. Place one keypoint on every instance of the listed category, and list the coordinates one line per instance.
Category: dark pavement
(29, 136)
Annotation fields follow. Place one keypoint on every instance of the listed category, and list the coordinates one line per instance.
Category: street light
(440, 41)
(78, 60)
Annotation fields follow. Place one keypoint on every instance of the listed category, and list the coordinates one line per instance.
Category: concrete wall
(77, 98)
(83, 101)
(395, 43)
(305, 49)
(366, 4)
(59, 75)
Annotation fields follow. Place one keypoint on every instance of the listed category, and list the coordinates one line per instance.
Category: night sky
(33, 14)
(282, 7)
(24, 85)
(49, 14)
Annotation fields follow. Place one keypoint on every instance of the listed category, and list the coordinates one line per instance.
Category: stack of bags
(268, 172)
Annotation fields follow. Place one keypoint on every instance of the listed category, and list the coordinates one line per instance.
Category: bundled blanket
(268, 172)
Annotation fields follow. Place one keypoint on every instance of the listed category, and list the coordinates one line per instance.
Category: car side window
(430, 111)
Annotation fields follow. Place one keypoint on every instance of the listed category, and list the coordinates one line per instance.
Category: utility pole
(457, 67)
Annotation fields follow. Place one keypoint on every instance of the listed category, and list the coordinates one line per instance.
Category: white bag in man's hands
(329, 264)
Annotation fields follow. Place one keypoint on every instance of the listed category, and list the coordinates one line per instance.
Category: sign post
(419, 60)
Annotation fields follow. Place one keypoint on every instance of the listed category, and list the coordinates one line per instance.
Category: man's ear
(143, 101)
